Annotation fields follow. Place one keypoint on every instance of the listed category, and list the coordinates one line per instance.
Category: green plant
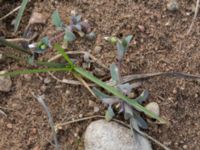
(65, 32)
(20, 14)
(71, 67)
(131, 113)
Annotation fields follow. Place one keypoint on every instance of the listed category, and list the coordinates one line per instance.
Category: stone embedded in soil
(97, 49)
(172, 5)
(1, 57)
(103, 135)
(5, 83)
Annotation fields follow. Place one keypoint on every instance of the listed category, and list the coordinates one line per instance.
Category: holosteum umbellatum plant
(130, 113)
(131, 107)
(65, 32)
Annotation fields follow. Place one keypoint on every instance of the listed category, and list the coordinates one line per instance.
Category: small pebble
(154, 107)
(172, 5)
(43, 88)
(97, 49)
(5, 82)
(36, 148)
(80, 116)
(34, 131)
(37, 18)
(91, 36)
(185, 147)
(96, 109)
(141, 27)
(28, 77)
(47, 80)
(91, 103)
(9, 126)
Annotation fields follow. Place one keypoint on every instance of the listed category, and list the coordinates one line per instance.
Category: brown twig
(151, 75)
(22, 39)
(194, 18)
(10, 13)
(3, 113)
(84, 83)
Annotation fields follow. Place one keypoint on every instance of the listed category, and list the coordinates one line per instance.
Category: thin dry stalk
(3, 113)
(84, 83)
(40, 99)
(194, 18)
(80, 52)
(10, 13)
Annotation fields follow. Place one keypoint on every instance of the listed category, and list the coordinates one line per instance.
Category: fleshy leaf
(78, 27)
(143, 97)
(128, 112)
(56, 19)
(114, 71)
(78, 18)
(109, 114)
(106, 99)
(45, 40)
(111, 100)
(128, 39)
(140, 121)
(31, 60)
(99, 94)
(125, 88)
(134, 124)
(120, 50)
(69, 36)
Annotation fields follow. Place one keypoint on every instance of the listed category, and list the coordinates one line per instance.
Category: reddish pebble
(141, 27)
(9, 126)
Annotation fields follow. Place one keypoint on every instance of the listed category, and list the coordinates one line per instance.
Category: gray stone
(172, 5)
(97, 49)
(103, 135)
(5, 83)
(2, 58)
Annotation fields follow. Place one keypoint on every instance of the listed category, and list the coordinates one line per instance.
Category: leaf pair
(122, 46)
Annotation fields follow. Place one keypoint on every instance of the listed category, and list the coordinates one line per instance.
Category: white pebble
(153, 107)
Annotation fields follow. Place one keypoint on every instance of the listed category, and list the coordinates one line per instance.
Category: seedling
(130, 113)
(67, 33)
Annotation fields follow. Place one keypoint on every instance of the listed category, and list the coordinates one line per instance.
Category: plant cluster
(131, 108)
(66, 32)
(130, 113)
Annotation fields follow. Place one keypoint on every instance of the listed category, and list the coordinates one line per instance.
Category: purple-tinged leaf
(86, 28)
(110, 100)
(134, 124)
(78, 27)
(143, 97)
(128, 112)
(125, 88)
(140, 121)
(109, 114)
